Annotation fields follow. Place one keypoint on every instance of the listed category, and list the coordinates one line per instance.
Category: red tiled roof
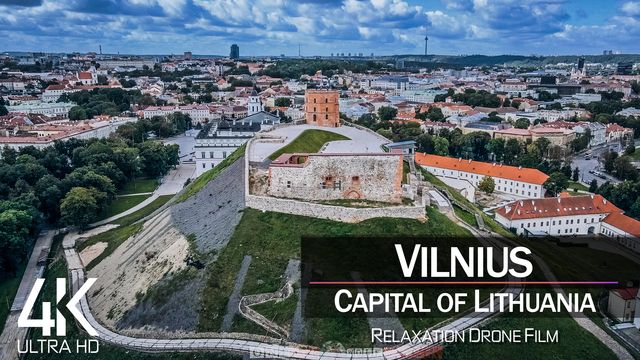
(626, 293)
(624, 223)
(533, 176)
(84, 75)
(558, 206)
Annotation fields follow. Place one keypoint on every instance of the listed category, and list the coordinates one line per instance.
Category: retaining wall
(337, 213)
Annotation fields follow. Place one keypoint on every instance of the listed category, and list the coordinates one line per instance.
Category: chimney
(520, 167)
(521, 203)
(559, 199)
(507, 208)
(469, 161)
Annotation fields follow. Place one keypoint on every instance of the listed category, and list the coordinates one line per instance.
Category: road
(595, 163)
(12, 333)
(171, 184)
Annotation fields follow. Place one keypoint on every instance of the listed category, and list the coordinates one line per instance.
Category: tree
(433, 114)
(496, 148)
(522, 123)
(102, 80)
(512, 149)
(593, 186)
(3, 110)
(635, 209)
(576, 174)
(14, 233)
(487, 185)
(542, 144)
(77, 113)
(282, 102)
(624, 170)
(608, 159)
(441, 146)
(386, 113)
(556, 183)
(79, 207)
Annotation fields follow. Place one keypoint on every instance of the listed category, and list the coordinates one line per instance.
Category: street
(594, 163)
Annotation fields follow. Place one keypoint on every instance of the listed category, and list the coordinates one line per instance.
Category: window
(314, 117)
(288, 184)
(224, 154)
(211, 154)
(314, 101)
(326, 116)
(202, 154)
(326, 100)
(203, 165)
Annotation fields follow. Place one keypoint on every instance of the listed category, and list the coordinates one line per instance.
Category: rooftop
(533, 176)
(558, 206)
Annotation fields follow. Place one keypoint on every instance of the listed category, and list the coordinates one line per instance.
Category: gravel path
(234, 299)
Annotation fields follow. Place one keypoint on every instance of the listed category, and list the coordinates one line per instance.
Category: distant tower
(100, 49)
(235, 52)
(426, 41)
(255, 104)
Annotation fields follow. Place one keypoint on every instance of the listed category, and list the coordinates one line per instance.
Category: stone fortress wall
(375, 177)
(330, 212)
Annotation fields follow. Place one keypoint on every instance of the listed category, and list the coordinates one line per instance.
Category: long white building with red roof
(517, 181)
(570, 215)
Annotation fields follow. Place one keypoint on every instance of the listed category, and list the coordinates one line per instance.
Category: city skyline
(260, 27)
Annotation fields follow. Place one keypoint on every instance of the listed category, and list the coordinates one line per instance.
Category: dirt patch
(88, 254)
(137, 264)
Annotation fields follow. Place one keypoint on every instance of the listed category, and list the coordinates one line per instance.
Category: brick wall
(322, 108)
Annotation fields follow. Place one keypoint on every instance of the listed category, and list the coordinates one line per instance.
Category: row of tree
(160, 126)
(70, 183)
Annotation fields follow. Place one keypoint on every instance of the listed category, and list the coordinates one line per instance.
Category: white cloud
(631, 8)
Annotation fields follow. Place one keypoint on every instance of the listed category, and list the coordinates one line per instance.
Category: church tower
(255, 104)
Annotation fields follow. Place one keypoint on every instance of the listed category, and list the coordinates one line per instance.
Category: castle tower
(255, 104)
(321, 107)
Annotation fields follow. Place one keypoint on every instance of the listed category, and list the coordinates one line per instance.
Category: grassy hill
(310, 141)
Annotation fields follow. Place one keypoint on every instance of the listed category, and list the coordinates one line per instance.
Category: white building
(521, 182)
(197, 112)
(570, 215)
(622, 304)
(218, 140)
(254, 105)
(597, 130)
(45, 108)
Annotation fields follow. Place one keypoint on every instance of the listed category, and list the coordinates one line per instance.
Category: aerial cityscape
(349, 179)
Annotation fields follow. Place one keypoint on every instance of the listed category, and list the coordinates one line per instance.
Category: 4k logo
(47, 322)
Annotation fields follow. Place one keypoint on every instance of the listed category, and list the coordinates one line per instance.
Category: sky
(321, 27)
